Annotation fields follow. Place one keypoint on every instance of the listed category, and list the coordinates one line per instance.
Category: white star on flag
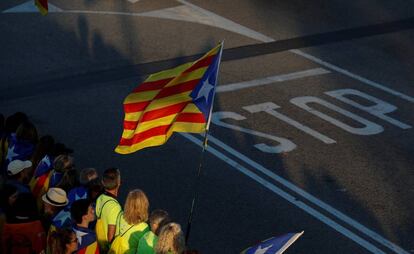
(262, 251)
(62, 216)
(84, 196)
(205, 90)
(11, 154)
(79, 235)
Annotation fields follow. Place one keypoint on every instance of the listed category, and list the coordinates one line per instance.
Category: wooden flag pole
(205, 141)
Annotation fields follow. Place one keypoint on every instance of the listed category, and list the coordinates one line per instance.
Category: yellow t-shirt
(107, 209)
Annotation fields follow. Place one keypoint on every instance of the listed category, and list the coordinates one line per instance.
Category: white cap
(17, 166)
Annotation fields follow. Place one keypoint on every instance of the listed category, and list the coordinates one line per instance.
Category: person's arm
(111, 232)
(112, 221)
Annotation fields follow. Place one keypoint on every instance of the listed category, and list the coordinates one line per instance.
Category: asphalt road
(313, 123)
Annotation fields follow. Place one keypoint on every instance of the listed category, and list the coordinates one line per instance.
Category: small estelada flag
(274, 245)
(42, 6)
(174, 100)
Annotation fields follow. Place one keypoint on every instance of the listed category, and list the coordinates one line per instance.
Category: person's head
(27, 131)
(44, 147)
(8, 196)
(13, 121)
(94, 188)
(111, 179)
(170, 240)
(82, 211)
(63, 241)
(54, 200)
(136, 207)
(62, 163)
(24, 209)
(69, 180)
(86, 175)
(157, 219)
(19, 170)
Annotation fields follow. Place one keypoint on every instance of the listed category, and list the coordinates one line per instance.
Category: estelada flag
(174, 100)
(274, 245)
(42, 6)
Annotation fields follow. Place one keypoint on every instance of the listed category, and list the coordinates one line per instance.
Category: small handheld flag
(42, 6)
(274, 245)
(174, 100)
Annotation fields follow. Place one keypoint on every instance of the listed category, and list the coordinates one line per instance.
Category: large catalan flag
(174, 100)
(42, 6)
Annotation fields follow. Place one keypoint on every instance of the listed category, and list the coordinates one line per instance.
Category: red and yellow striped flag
(174, 100)
(42, 6)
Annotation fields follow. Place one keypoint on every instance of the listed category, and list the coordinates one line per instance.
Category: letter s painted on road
(285, 145)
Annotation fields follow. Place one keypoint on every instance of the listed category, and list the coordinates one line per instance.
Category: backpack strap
(118, 222)
(102, 207)
(127, 230)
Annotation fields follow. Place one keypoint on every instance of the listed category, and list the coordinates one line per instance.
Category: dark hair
(24, 209)
(6, 192)
(78, 209)
(95, 188)
(159, 217)
(59, 239)
(110, 178)
(27, 131)
(13, 121)
(44, 147)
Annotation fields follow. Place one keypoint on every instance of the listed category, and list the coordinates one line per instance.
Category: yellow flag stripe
(168, 101)
(141, 96)
(153, 141)
(185, 77)
(150, 95)
(170, 73)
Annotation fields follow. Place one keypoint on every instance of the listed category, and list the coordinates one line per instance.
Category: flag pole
(205, 141)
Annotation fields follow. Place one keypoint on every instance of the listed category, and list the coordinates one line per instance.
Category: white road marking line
(310, 198)
(352, 75)
(338, 214)
(133, 1)
(263, 38)
(271, 79)
(210, 18)
(331, 223)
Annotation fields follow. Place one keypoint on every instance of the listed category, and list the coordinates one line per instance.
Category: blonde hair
(136, 207)
(170, 240)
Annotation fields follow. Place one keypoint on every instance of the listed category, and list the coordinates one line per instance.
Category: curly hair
(170, 240)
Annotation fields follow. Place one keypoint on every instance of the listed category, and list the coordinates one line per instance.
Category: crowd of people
(49, 206)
